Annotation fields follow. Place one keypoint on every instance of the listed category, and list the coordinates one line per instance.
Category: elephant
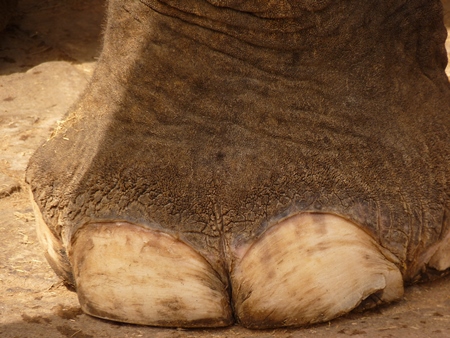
(271, 164)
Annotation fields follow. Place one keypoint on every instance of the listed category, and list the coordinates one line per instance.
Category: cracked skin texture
(212, 120)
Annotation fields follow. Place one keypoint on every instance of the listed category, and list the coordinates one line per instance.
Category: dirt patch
(47, 56)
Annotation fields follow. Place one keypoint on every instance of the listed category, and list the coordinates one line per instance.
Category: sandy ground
(47, 56)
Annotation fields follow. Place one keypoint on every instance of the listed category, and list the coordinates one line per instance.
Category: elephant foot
(308, 268)
(131, 274)
(311, 268)
(270, 170)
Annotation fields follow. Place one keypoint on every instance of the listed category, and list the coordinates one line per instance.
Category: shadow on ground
(50, 30)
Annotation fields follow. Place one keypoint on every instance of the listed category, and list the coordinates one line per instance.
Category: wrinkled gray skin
(213, 119)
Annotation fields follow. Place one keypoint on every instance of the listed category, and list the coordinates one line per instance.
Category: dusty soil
(47, 56)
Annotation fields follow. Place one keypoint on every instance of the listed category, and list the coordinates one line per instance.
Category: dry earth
(47, 56)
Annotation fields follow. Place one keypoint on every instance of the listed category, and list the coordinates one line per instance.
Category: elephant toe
(128, 273)
(311, 268)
